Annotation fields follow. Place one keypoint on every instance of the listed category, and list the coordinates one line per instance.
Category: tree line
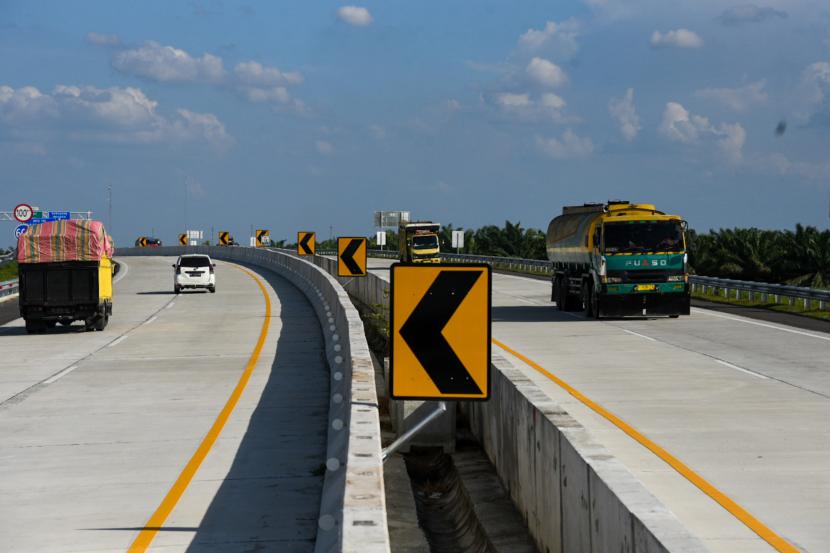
(800, 257)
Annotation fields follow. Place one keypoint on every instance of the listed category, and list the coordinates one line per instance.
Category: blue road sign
(59, 215)
(20, 230)
(39, 220)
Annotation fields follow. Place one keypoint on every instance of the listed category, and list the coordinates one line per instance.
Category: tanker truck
(619, 259)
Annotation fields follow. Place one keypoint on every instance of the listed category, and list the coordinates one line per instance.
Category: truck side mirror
(173, 265)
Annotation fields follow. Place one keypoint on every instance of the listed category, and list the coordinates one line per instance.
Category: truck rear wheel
(35, 327)
(102, 321)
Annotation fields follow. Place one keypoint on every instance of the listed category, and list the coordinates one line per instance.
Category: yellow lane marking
(764, 532)
(156, 521)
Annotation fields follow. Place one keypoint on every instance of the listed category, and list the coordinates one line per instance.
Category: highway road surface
(743, 403)
(131, 437)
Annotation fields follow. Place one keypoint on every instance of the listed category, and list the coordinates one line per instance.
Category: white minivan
(194, 271)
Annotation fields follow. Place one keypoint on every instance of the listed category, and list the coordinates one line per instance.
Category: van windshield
(643, 236)
(194, 262)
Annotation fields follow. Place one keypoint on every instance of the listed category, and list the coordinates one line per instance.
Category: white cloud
(737, 99)
(254, 73)
(569, 146)
(546, 73)
(25, 104)
(557, 39)
(814, 91)
(355, 15)
(112, 114)
(509, 100)
(324, 147)
(679, 125)
(732, 143)
(624, 111)
(813, 171)
(526, 107)
(680, 38)
(552, 101)
(750, 13)
(103, 39)
(168, 64)
(276, 94)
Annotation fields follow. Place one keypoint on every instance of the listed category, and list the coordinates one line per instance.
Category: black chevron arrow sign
(422, 332)
(348, 259)
(304, 243)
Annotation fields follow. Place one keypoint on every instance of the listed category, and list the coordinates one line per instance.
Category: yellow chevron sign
(224, 238)
(183, 239)
(306, 243)
(440, 327)
(263, 238)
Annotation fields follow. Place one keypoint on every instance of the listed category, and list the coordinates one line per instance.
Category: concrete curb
(573, 494)
(353, 504)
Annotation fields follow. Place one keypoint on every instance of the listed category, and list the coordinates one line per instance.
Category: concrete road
(97, 426)
(742, 402)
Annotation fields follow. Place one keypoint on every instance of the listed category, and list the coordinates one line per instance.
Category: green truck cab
(619, 259)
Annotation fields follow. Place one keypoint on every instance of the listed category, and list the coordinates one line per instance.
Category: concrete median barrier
(573, 494)
(353, 506)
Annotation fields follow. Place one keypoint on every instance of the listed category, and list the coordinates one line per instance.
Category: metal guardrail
(721, 286)
(728, 287)
(764, 290)
(9, 288)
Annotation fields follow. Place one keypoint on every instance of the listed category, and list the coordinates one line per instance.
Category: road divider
(573, 494)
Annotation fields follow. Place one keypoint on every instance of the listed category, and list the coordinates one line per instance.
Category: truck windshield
(643, 236)
(424, 242)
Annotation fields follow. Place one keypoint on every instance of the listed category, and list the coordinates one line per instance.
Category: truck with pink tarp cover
(65, 270)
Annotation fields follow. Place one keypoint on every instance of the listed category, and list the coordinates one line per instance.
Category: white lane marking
(170, 305)
(640, 335)
(61, 374)
(737, 368)
(122, 272)
(117, 341)
(150, 320)
(765, 325)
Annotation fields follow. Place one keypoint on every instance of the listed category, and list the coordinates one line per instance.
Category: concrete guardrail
(353, 505)
(573, 494)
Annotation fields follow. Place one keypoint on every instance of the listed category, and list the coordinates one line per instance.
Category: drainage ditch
(459, 510)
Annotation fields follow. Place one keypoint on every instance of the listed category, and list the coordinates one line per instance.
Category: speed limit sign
(23, 213)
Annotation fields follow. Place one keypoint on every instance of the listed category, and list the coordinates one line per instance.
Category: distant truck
(619, 259)
(418, 242)
(65, 274)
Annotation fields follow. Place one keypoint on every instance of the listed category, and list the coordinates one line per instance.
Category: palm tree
(806, 259)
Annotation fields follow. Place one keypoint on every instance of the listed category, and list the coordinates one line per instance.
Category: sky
(297, 115)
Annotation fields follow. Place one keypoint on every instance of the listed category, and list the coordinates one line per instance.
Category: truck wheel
(553, 289)
(66, 323)
(587, 298)
(212, 289)
(101, 323)
(595, 305)
(561, 295)
(35, 327)
(51, 324)
(176, 290)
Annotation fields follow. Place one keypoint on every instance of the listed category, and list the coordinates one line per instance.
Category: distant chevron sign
(351, 256)
(440, 331)
(306, 243)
